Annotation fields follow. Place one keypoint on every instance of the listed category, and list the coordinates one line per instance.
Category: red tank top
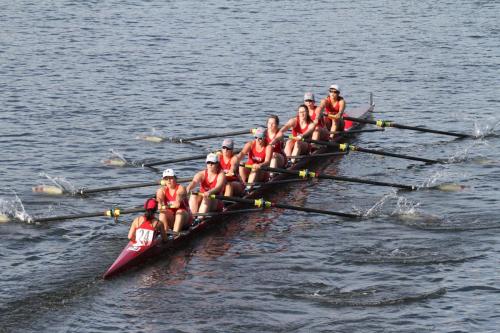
(277, 146)
(255, 156)
(331, 108)
(206, 186)
(297, 130)
(226, 167)
(145, 234)
(172, 197)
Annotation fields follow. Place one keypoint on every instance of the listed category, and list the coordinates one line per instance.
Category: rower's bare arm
(244, 151)
(342, 107)
(269, 155)
(133, 227)
(221, 182)
(281, 134)
(310, 130)
(181, 194)
(321, 106)
(196, 180)
(160, 196)
(163, 232)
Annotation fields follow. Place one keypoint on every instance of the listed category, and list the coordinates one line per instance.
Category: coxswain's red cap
(151, 204)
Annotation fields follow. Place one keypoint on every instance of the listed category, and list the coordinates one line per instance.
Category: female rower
(212, 181)
(320, 131)
(174, 212)
(259, 154)
(302, 126)
(278, 159)
(229, 164)
(334, 106)
(145, 228)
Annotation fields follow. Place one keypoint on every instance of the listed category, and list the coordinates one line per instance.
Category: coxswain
(259, 154)
(302, 127)
(334, 106)
(145, 228)
(320, 131)
(174, 205)
(278, 159)
(211, 181)
(229, 164)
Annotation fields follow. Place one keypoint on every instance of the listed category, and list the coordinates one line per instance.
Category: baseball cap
(309, 96)
(212, 158)
(260, 133)
(151, 204)
(335, 86)
(168, 173)
(228, 143)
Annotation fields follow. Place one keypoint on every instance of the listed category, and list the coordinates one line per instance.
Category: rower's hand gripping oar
(262, 203)
(386, 123)
(347, 148)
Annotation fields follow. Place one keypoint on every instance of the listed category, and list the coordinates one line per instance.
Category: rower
(278, 159)
(212, 181)
(301, 126)
(229, 164)
(145, 228)
(174, 212)
(320, 131)
(259, 154)
(334, 106)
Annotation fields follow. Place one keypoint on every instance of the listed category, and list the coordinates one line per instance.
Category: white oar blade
(115, 162)
(48, 189)
(451, 187)
(4, 218)
(151, 138)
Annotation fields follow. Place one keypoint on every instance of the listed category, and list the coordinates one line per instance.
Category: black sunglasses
(227, 148)
(211, 163)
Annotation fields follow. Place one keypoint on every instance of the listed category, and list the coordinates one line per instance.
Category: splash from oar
(117, 159)
(60, 186)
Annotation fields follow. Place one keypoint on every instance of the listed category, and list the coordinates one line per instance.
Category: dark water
(79, 79)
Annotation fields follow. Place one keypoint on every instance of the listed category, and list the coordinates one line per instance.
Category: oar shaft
(340, 178)
(84, 191)
(372, 151)
(267, 204)
(85, 215)
(210, 136)
(383, 123)
(175, 160)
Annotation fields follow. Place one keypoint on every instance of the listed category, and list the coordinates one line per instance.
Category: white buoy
(48, 189)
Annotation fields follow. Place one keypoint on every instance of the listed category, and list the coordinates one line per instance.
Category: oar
(345, 147)
(309, 174)
(84, 191)
(261, 203)
(211, 136)
(337, 153)
(358, 131)
(385, 123)
(182, 159)
(114, 212)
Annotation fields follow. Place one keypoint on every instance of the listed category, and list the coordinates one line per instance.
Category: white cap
(335, 86)
(212, 158)
(168, 173)
(308, 96)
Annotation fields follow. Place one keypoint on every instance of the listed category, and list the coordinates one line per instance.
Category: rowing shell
(133, 255)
